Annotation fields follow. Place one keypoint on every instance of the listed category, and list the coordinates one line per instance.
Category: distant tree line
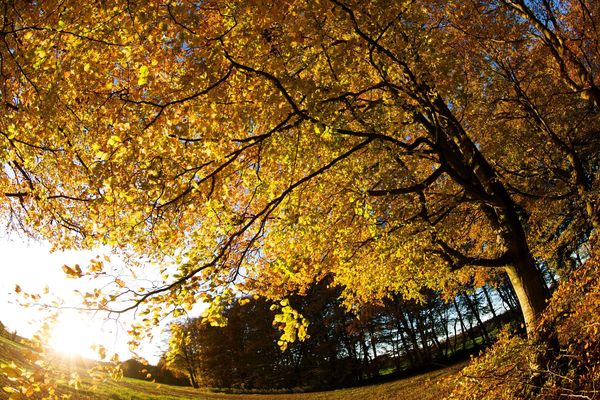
(10, 335)
(133, 368)
(343, 348)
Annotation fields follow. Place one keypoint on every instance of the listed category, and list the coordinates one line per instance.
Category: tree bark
(530, 292)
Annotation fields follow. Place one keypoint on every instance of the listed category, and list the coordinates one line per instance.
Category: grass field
(426, 386)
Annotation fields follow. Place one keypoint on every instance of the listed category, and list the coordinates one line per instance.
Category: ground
(430, 385)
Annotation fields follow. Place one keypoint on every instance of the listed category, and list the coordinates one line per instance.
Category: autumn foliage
(232, 147)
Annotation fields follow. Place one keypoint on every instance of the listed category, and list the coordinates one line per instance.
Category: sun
(74, 335)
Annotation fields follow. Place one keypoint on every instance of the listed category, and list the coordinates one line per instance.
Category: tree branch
(410, 189)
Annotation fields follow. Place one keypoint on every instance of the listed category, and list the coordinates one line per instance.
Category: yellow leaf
(242, 302)
(114, 140)
(101, 352)
(74, 272)
(143, 75)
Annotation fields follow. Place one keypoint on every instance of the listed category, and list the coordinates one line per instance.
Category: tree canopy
(259, 146)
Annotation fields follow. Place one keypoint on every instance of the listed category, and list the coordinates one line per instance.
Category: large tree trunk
(525, 278)
(527, 283)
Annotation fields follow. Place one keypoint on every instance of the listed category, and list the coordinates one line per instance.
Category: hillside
(426, 386)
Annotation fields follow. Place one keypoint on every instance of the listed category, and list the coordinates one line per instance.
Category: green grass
(427, 386)
(12, 351)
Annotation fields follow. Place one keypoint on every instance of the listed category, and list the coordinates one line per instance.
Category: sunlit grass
(425, 386)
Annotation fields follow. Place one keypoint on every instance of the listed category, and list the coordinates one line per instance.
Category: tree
(266, 145)
(341, 348)
(133, 368)
(244, 353)
(186, 355)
